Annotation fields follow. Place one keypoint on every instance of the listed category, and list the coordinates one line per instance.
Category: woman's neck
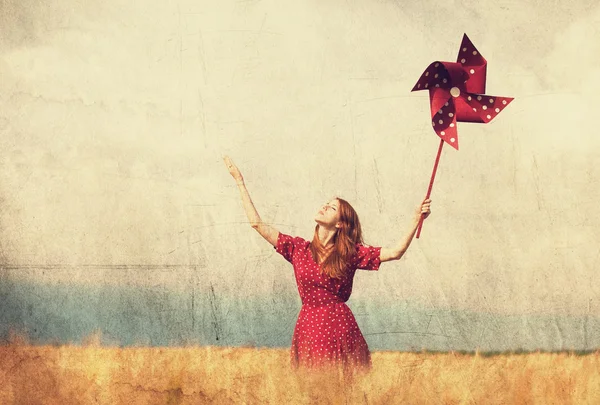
(326, 236)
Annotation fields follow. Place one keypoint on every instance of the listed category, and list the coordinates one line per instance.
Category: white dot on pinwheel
(437, 64)
(497, 110)
(472, 71)
(440, 111)
(426, 73)
(433, 123)
(491, 100)
(465, 49)
(478, 98)
(426, 85)
(474, 109)
(441, 121)
(437, 85)
(436, 76)
(463, 60)
(450, 115)
(418, 85)
(469, 98)
(474, 52)
(504, 102)
(455, 92)
(452, 125)
(442, 133)
(489, 117)
(484, 107)
(452, 139)
(445, 80)
(446, 104)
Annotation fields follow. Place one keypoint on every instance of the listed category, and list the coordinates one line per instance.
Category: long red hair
(345, 239)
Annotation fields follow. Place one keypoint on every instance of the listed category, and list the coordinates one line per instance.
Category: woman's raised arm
(265, 230)
(398, 251)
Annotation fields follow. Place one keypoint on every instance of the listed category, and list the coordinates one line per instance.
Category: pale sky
(114, 118)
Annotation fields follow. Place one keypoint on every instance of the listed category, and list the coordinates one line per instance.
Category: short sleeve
(367, 257)
(286, 245)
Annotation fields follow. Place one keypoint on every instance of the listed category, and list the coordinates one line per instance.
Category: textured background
(117, 213)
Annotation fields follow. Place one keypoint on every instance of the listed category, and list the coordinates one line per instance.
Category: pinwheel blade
(474, 65)
(443, 116)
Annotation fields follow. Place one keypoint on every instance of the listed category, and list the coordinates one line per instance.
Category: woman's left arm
(396, 252)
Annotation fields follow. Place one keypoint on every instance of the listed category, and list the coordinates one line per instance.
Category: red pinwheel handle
(435, 166)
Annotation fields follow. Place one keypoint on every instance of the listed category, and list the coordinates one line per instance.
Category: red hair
(335, 263)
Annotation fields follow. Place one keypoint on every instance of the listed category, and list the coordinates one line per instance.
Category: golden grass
(197, 375)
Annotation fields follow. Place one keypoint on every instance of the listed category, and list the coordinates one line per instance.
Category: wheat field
(92, 374)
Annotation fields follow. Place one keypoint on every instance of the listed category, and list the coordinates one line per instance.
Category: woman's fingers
(229, 163)
(233, 170)
(426, 206)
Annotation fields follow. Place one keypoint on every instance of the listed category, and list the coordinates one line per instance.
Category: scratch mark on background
(260, 31)
(202, 118)
(585, 325)
(377, 186)
(536, 183)
(214, 309)
(428, 323)
(180, 70)
(366, 100)
(194, 284)
(238, 223)
(410, 333)
(431, 303)
(353, 148)
(202, 56)
(514, 153)
(252, 31)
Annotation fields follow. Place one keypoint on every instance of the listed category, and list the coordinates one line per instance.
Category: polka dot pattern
(326, 332)
(468, 54)
(435, 76)
(456, 92)
(444, 122)
(488, 107)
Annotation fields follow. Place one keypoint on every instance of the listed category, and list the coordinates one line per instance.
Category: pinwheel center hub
(455, 92)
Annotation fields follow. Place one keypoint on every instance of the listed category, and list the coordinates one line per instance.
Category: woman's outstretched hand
(424, 209)
(265, 230)
(396, 252)
(233, 170)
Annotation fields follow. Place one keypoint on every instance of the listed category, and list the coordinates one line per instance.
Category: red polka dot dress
(326, 332)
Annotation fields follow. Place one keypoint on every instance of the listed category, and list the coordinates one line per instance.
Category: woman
(326, 332)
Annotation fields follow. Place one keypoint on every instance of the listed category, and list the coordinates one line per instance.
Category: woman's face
(329, 214)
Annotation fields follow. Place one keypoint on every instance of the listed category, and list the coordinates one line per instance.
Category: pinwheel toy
(456, 95)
